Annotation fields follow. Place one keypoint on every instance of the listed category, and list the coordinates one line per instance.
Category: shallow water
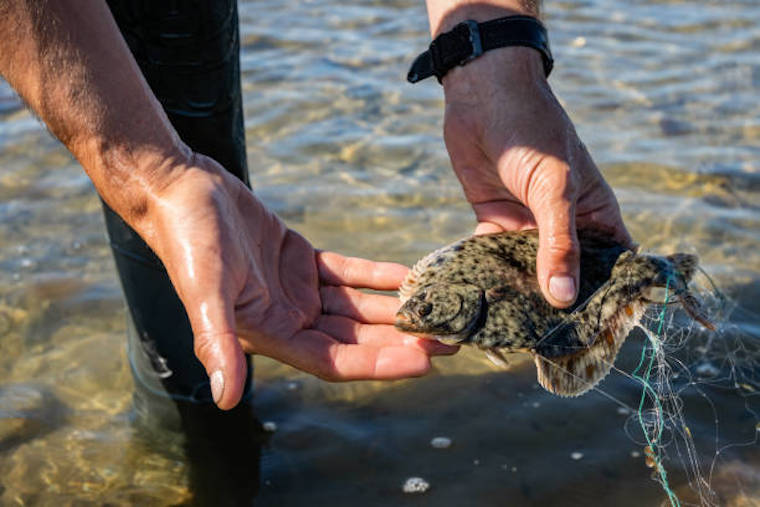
(664, 93)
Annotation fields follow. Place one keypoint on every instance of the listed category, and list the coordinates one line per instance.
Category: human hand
(250, 284)
(247, 282)
(522, 165)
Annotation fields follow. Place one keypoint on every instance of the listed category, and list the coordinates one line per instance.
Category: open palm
(250, 284)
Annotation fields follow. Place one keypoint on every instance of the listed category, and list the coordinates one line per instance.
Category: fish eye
(424, 309)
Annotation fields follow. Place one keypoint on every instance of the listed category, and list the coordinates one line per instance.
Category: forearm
(444, 14)
(69, 62)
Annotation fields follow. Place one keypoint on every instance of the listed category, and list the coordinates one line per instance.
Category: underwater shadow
(221, 449)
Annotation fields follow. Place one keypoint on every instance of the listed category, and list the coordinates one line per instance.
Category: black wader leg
(189, 53)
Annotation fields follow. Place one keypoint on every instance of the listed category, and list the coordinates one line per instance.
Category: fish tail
(685, 266)
(696, 311)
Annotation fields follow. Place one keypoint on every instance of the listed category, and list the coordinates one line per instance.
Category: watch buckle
(477, 44)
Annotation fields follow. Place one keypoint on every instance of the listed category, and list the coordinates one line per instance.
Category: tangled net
(679, 356)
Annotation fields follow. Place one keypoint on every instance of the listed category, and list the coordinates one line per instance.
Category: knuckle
(555, 178)
(202, 346)
(323, 366)
(347, 269)
(207, 344)
(326, 371)
(563, 248)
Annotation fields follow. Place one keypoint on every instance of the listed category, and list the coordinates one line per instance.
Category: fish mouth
(404, 323)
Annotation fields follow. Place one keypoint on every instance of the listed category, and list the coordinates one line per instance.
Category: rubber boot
(188, 52)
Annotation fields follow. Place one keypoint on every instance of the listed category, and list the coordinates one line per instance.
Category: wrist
(469, 40)
(130, 177)
(444, 16)
(185, 188)
(509, 69)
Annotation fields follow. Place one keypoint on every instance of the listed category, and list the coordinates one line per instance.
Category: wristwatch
(470, 39)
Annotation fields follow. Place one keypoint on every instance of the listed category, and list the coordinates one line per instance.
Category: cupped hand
(251, 285)
(522, 165)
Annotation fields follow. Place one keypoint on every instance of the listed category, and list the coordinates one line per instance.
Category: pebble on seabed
(441, 443)
(269, 426)
(416, 485)
(576, 455)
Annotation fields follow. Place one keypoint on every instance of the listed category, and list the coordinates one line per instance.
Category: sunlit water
(664, 93)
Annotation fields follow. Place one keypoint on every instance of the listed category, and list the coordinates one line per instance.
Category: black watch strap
(470, 39)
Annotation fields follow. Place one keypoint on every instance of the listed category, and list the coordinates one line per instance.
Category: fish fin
(574, 316)
(583, 304)
(566, 331)
(574, 374)
(579, 371)
(497, 358)
(570, 376)
(411, 282)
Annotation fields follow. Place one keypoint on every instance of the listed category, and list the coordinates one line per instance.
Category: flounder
(483, 291)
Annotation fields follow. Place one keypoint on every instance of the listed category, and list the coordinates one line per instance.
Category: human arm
(248, 283)
(516, 152)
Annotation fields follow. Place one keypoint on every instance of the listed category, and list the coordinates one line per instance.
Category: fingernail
(562, 288)
(217, 385)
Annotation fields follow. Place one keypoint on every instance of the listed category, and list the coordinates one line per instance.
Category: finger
(335, 361)
(487, 228)
(350, 331)
(367, 308)
(502, 215)
(557, 263)
(217, 348)
(317, 353)
(335, 269)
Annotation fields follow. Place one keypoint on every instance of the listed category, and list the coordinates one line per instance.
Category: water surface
(664, 93)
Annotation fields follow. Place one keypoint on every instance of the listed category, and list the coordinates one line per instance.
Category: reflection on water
(665, 95)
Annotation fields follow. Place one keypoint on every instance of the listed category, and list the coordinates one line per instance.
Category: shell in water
(483, 291)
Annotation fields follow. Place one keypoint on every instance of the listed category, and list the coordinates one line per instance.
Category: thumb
(218, 349)
(557, 263)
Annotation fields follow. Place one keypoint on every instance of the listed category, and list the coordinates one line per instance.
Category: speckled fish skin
(483, 291)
